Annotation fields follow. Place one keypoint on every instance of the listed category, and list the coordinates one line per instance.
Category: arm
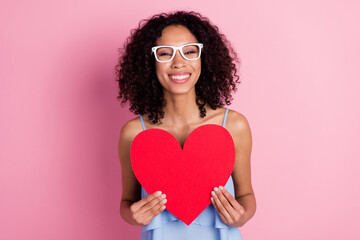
(236, 212)
(133, 209)
(130, 186)
(244, 193)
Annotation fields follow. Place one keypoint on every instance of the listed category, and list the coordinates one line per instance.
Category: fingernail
(164, 201)
(212, 199)
(212, 193)
(163, 196)
(158, 193)
(221, 187)
(216, 189)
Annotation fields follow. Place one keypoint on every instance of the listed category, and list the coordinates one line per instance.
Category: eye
(164, 54)
(190, 52)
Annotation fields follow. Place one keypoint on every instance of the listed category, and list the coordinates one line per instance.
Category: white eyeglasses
(190, 51)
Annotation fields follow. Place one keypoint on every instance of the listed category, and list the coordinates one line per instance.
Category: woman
(178, 72)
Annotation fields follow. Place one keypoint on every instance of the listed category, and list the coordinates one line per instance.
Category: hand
(230, 211)
(147, 208)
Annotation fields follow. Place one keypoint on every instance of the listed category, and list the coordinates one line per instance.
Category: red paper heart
(187, 176)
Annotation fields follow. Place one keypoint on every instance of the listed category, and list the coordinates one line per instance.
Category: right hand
(147, 208)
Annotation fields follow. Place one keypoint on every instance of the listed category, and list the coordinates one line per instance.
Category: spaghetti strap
(142, 122)
(226, 113)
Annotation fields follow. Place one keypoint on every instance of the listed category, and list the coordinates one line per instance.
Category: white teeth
(180, 76)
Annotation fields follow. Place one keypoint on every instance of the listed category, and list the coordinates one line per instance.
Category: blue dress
(208, 225)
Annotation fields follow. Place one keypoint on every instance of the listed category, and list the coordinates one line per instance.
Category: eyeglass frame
(200, 45)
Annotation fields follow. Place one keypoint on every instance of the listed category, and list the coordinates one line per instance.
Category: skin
(181, 118)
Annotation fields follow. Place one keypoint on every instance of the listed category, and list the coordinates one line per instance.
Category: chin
(180, 90)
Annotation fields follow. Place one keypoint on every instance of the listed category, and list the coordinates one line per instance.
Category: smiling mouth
(179, 77)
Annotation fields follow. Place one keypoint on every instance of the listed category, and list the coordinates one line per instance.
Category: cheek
(197, 67)
(160, 70)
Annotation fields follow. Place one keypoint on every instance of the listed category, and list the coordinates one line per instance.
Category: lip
(179, 73)
(180, 81)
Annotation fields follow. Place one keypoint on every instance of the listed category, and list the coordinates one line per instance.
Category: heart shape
(187, 176)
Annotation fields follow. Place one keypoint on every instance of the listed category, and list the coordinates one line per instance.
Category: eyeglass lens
(190, 52)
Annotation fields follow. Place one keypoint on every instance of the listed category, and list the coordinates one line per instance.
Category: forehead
(176, 35)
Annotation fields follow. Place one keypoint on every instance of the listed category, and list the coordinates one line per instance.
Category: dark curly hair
(136, 71)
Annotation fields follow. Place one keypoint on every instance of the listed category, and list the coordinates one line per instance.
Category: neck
(181, 109)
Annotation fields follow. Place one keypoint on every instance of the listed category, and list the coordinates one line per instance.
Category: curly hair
(136, 71)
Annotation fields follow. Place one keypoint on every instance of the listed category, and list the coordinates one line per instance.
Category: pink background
(60, 120)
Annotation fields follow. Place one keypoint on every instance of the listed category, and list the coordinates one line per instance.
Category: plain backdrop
(60, 119)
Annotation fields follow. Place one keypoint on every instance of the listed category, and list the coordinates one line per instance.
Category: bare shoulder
(237, 124)
(130, 129)
(127, 134)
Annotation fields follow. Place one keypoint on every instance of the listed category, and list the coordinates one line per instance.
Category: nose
(178, 60)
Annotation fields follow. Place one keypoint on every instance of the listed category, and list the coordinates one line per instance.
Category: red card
(187, 176)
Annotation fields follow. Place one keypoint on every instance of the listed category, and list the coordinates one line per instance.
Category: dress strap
(142, 122)
(226, 113)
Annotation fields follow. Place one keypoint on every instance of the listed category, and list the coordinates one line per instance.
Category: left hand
(230, 211)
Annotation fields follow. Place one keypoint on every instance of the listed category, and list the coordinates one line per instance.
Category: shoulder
(130, 130)
(237, 120)
(238, 125)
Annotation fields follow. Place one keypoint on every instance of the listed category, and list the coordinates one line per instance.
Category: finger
(220, 206)
(137, 205)
(150, 217)
(234, 215)
(155, 210)
(217, 209)
(229, 208)
(235, 204)
(149, 205)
